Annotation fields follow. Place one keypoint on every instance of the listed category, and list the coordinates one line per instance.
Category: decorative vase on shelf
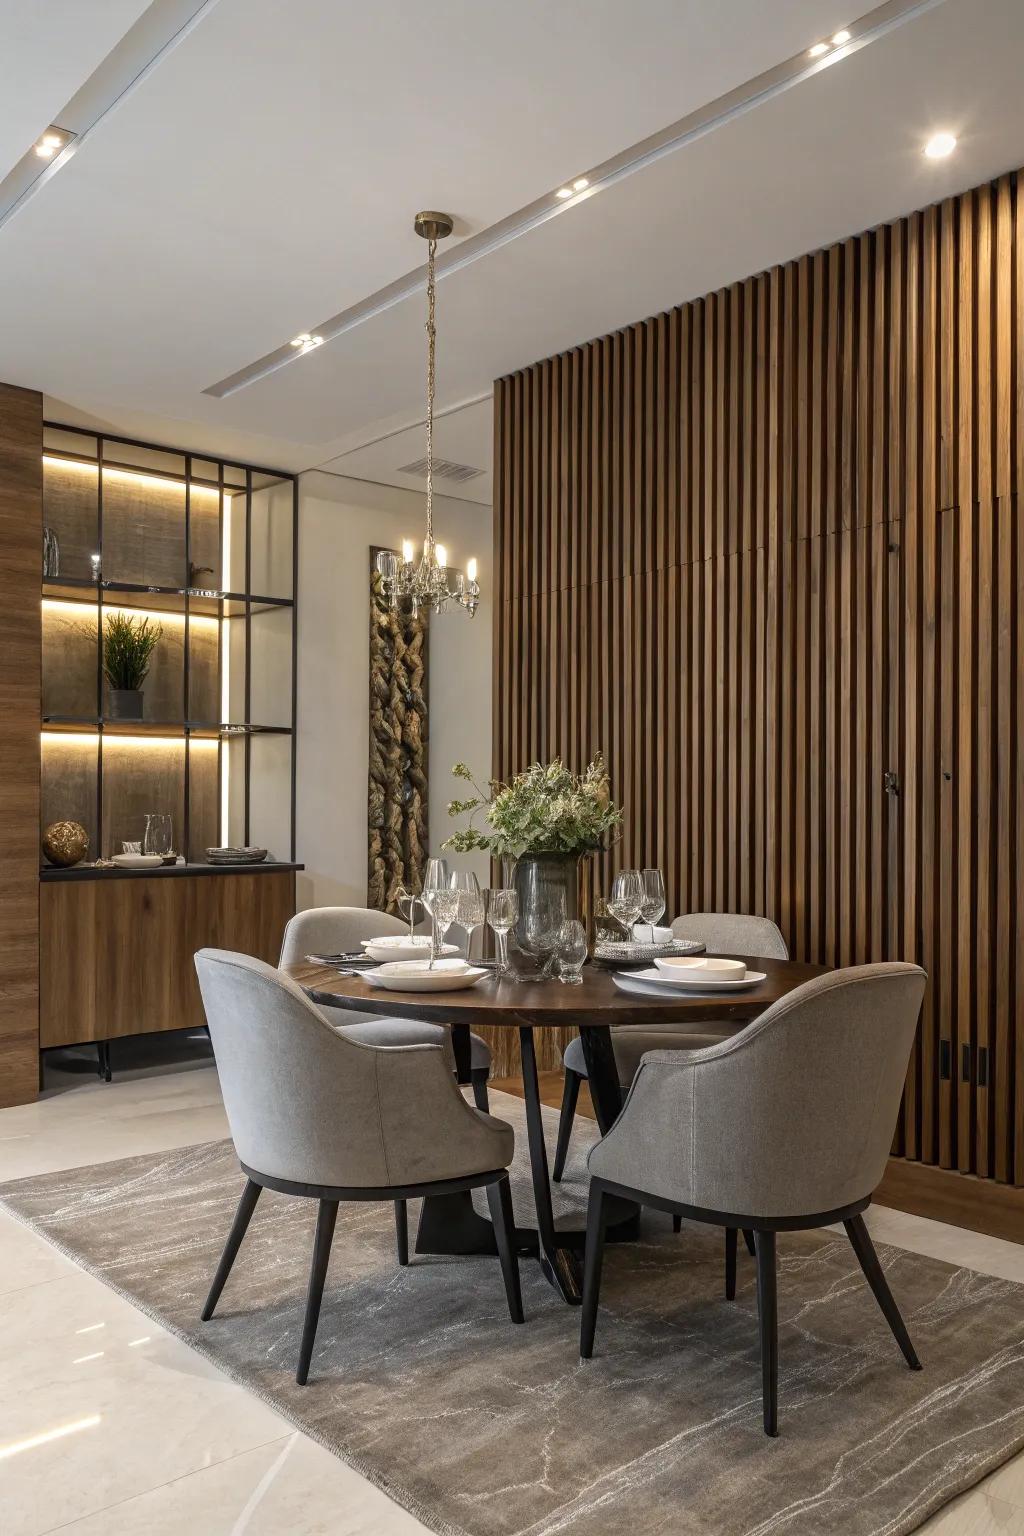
(124, 703)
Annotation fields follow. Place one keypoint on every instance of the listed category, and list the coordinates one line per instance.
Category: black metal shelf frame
(190, 597)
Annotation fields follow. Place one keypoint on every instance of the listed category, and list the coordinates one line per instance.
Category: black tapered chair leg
(730, 1263)
(402, 1231)
(768, 1320)
(499, 1203)
(325, 1220)
(243, 1215)
(677, 1223)
(748, 1238)
(478, 1077)
(570, 1094)
(864, 1248)
(592, 1262)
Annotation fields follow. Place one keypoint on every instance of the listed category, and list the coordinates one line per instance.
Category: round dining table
(450, 1224)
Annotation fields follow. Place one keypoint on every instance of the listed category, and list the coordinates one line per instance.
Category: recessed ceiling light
(580, 184)
(840, 38)
(52, 140)
(818, 49)
(564, 192)
(306, 341)
(940, 145)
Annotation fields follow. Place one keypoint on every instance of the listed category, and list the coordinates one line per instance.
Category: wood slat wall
(763, 551)
(21, 532)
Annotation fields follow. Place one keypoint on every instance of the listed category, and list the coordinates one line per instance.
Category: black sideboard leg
(103, 1060)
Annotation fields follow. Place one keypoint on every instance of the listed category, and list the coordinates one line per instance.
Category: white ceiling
(263, 178)
(48, 50)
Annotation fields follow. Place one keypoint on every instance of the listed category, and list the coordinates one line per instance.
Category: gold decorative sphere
(65, 843)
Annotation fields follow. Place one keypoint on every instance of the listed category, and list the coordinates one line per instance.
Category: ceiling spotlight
(580, 184)
(305, 341)
(840, 38)
(52, 140)
(818, 49)
(940, 145)
(564, 192)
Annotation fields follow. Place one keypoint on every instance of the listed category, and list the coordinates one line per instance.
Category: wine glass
(444, 910)
(572, 952)
(435, 878)
(627, 898)
(502, 915)
(472, 910)
(407, 902)
(654, 897)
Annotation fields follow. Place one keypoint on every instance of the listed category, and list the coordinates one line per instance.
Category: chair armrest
(429, 1130)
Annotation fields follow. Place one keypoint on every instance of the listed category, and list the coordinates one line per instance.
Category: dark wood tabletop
(597, 1001)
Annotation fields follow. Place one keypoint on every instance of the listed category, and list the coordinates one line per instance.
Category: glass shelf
(204, 728)
(201, 602)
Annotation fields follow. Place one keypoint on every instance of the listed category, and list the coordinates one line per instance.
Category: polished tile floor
(110, 1426)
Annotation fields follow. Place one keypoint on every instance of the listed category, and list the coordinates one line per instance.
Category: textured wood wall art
(765, 552)
(397, 789)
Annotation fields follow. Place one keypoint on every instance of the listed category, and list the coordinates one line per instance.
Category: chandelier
(428, 583)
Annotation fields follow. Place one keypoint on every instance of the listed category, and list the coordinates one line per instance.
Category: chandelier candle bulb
(408, 552)
(442, 555)
(471, 569)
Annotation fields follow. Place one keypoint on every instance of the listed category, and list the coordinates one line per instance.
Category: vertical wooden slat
(764, 550)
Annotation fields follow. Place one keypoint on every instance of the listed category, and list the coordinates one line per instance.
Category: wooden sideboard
(116, 951)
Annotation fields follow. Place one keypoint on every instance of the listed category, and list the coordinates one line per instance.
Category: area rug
(480, 1428)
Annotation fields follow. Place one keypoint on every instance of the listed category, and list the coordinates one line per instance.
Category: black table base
(449, 1224)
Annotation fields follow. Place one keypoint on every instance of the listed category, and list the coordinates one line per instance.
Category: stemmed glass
(472, 911)
(407, 901)
(502, 915)
(654, 897)
(572, 952)
(443, 910)
(435, 879)
(627, 899)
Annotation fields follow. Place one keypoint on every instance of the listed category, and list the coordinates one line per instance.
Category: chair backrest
(301, 1099)
(334, 930)
(733, 933)
(795, 1115)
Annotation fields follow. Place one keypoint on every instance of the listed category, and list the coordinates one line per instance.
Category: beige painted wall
(339, 521)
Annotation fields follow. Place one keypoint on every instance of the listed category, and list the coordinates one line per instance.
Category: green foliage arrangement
(128, 645)
(547, 809)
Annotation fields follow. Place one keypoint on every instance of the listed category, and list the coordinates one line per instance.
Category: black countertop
(167, 872)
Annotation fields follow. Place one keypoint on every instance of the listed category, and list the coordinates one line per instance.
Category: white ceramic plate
(708, 967)
(137, 860)
(656, 984)
(417, 979)
(401, 947)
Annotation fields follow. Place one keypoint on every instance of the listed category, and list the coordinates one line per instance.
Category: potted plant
(543, 821)
(128, 645)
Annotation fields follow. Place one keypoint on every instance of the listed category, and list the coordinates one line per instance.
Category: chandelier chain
(431, 345)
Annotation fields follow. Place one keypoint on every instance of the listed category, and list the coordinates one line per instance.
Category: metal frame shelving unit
(227, 606)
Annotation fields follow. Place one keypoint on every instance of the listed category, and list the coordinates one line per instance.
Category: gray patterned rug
(420, 1381)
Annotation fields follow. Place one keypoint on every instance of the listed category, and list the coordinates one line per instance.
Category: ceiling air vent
(444, 469)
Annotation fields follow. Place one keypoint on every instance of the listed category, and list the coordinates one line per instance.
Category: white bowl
(642, 934)
(399, 947)
(137, 860)
(446, 976)
(707, 967)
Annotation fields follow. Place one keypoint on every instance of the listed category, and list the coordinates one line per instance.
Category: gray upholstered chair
(341, 931)
(810, 1092)
(721, 933)
(314, 1112)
